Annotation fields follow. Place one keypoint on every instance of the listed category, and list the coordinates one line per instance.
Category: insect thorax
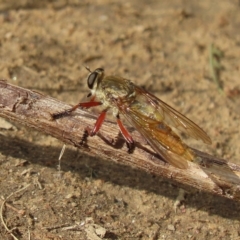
(116, 88)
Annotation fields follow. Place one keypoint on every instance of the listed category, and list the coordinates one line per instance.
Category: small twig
(1, 210)
(33, 109)
(21, 212)
(215, 66)
(57, 227)
(60, 157)
(29, 234)
(180, 198)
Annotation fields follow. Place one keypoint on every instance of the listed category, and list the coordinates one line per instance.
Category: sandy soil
(161, 45)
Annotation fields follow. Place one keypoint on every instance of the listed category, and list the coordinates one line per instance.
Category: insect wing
(152, 118)
(154, 137)
(173, 118)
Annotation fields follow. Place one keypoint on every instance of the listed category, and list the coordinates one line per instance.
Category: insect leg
(128, 138)
(98, 123)
(79, 105)
(97, 126)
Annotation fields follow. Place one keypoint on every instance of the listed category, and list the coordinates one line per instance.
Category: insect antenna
(88, 68)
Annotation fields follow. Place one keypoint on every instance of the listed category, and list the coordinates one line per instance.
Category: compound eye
(91, 79)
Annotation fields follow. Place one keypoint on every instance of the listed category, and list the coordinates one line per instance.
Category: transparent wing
(173, 118)
(152, 118)
(160, 137)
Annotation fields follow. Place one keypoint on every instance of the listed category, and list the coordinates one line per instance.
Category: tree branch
(34, 110)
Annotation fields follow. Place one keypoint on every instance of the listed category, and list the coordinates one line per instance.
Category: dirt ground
(161, 45)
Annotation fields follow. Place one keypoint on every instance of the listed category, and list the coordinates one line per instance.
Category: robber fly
(150, 116)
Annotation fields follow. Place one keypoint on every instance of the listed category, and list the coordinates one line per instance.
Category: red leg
(98, 123)
(97, 126)
(125, 132)
(87, 105)
(90, 104)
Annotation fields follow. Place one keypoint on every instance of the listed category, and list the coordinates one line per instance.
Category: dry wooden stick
(34, 110)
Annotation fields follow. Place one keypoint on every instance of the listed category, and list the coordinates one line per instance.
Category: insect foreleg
(79, 105)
